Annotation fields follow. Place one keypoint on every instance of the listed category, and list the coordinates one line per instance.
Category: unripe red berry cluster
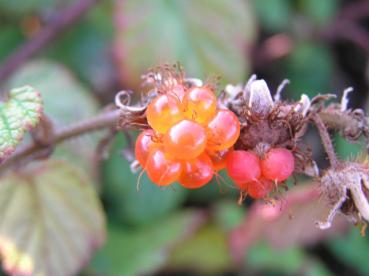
(258, 176)
(188, 139)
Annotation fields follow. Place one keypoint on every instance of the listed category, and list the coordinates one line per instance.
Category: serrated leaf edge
(17, 97)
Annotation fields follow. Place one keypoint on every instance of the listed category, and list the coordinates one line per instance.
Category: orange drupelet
(223, 130)
(144, 142)
(161, 169)
(197, 172)
(200, 104)
(163, 112)
(185, 140)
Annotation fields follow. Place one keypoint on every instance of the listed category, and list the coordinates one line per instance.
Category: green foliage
(207, 252)
(21, 112)
(228, 214)
(309, 68)
(85, 49)
(50, 220)
(144, 250)
(346, 150)
(291, 261)
(320, 12)
(352, 249)
(65, 101)
(273, 15)
(184, 31)
(10, 37)
(132, 206)
(19, 7)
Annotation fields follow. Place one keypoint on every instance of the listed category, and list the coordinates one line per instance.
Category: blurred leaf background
(175, 231)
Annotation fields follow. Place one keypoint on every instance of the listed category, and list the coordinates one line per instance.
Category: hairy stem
(343, 121)
(61, 22)
(326, 139)
(101, 121)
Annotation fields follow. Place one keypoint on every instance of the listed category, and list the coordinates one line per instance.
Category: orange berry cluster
(189, 139)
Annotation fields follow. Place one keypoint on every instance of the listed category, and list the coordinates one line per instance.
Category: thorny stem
(101, 121)
(326, 139)
(60, 23)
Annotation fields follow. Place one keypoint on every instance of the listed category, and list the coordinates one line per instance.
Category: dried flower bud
(345, 189)
(260, 101)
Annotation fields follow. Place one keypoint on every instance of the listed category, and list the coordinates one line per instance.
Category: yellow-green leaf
(20, 113)
(50, 220)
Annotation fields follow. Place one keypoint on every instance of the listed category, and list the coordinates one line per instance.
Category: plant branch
(101, 121)
(326, 139)
(60, 23)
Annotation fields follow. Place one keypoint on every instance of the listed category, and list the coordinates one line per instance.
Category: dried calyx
(345, 185)
(346, 189)
(268, 122)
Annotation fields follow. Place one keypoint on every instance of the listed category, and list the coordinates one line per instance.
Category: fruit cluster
(258, 176)
(189, 137)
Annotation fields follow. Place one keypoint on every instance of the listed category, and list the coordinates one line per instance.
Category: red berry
(144, 144)
(160, 169)
(185, 140)
(243, 166)
(197, 172)
(223, 130)
(278, 164)
(163, 112)
(259, 188)
(200, 103)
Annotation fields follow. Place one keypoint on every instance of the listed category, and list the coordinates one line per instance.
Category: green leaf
(20, 8)
(320, 12)
(132, 206)
(141, 251)
(86, 48)
(228, 214)
(207, 252)
(20, 113)
(291, 261)
(347, 150)
(221, 186)
(50, 220)
(207, 36)
(10, 37)
(352, 249)
(309, 68)
(66, 101)
(274, 15)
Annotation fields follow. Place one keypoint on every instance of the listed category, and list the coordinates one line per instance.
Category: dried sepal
(131, 116)
(262, 119)
(268, 122)
(351, 124)
(260, 100)
(164, 77)
(345, 188)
